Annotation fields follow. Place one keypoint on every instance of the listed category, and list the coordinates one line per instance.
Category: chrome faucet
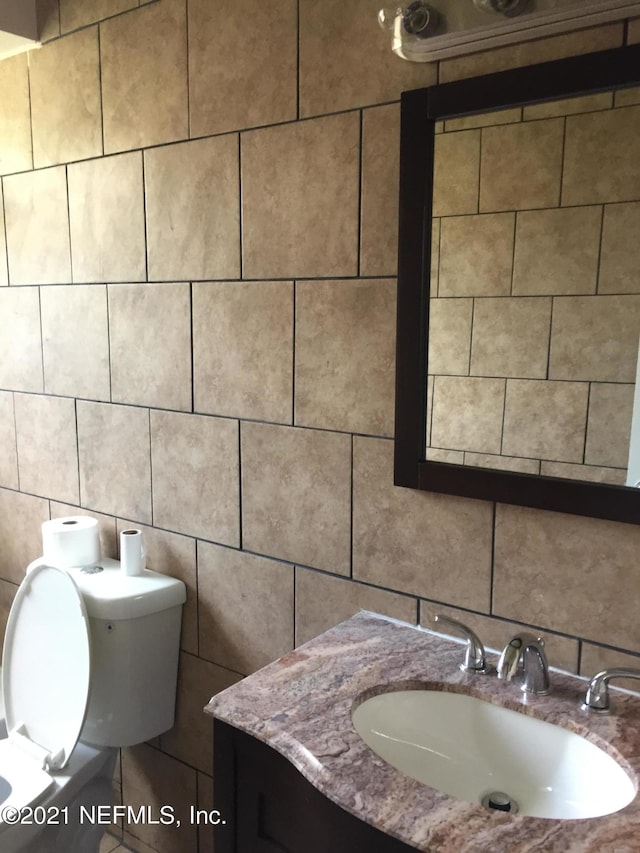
(474, 656)
(527, 650)
(597, 696)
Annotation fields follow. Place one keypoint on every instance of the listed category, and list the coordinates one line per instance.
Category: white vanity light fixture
(18, 27)
(428, 31)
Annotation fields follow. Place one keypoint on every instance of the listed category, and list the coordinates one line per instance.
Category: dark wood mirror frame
(420, 110)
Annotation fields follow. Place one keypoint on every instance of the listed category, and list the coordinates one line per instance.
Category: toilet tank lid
(110, 594)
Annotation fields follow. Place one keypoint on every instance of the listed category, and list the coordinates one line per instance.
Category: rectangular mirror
(519, 287)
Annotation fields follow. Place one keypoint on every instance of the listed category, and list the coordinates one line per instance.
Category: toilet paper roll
(70, 541)
(133, 557)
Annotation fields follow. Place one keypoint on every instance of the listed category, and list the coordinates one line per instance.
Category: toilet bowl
(89, 665)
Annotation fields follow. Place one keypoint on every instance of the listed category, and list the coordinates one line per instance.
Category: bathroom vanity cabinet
(268, 807)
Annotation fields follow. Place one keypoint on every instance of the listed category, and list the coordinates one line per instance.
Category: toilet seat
(46, 669)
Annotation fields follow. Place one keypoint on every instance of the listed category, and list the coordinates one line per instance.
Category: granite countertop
(301, 705)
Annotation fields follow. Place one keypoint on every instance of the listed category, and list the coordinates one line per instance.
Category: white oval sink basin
(469, 748)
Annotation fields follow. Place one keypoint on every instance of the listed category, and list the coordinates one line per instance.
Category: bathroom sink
(483, 753)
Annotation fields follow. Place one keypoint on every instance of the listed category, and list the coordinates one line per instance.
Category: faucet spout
(525, 652)
(597, 697)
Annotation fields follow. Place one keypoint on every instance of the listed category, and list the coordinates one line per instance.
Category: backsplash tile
(15, 129)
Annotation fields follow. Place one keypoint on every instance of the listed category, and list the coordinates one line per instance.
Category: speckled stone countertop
(301, 706)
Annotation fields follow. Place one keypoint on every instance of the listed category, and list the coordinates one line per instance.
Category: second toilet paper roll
(133, 557)
(71, 541)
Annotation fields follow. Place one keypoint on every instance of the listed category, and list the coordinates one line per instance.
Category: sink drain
(499, 801)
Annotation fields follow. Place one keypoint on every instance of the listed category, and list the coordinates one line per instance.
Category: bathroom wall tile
(596, 658)
(4, 275)
(562, 652)
(75, 341)
(450, 335)
(151, 779)
(65, 99)
(47, 446)
(521, 165)
(633, 32)
(193, 209)
(557, 251)
(345, 333)
(108, 843)
(599, 163)
(191, 738)
(282, 169)
(467, 413)
(324, 600)
(456, 173)
(37, 225)
(484, 119)
(48, 14)
(567, 573)
(545, 420)
(627, 97)
(511, 337)
(115, 474)
(195, 475)
(206, 803)
(20, 339)
(174, 555)
(476, 255)
(107, 219)
(8, 452)
(609, 424)
(591, 473)
(620, 250)
(502, 463)
(434, 276)
(150, 344)
(7, 594)
(296, 495)
(79, 13)
(453, 457)
(380, 181)
(144, 92)
(106, 526)
(595, 338)
(569, 106)
(21, 517)
(242, 349)
(15, 129)
(251, 77)
(346, 59)
(245, 608)
(418, 542)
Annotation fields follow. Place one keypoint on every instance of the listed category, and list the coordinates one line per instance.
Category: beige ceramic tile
(48, 14)
(435, 257)
(484, 119)
(191, 738)
(144, 92)
(15, 128)
(108, 843)
(242, 345)
(467, 413)
(380, 181)
(151, 779)
(296, 495)
(195, 475)
(345, 332)
(599, 163)
(193, 210)
(450, 336)
(324, 600)
(595, 338)
(569, 106)
(283, 168)
(47, 446)
(417, 542)
(65, 99)
(562, 652)
(115, 474)
(4, 275)
(75, 341)
(567, 573)
(596, 658)
(521, 165)
(346, 59)
(556, 251)
(7, 594)
(251, 77)
(106, 212)
(545, 420)
(150, 344)
(8, 453)
(245, 608)
(620, 250)
(79, 13)
(106, 525)
(21, 518)
(626, 97)
(20, 339)
(476, 255)
(456, 173)
(609, 424)
(502, 463)
(37, 225)
(633, 32)
(590, 473)
(452, 457)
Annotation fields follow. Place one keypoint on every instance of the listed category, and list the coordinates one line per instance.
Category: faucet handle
(474, 658)
(597, 696)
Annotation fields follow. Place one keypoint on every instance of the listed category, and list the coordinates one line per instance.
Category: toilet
(90, 664)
